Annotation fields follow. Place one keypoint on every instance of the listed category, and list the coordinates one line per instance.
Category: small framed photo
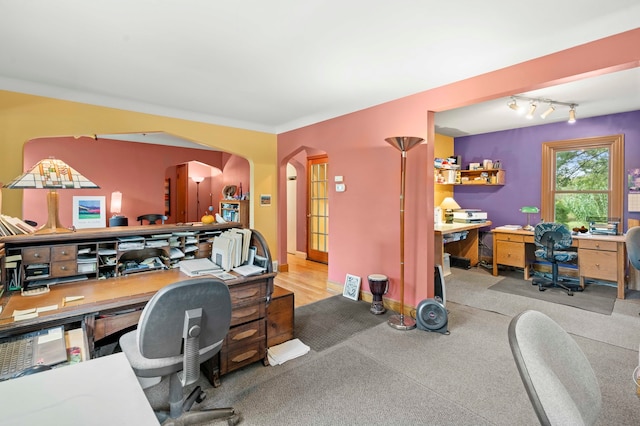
(265, 199)
(351, 287)
(89, 212)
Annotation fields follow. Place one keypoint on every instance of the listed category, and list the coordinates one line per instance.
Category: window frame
(615, 144)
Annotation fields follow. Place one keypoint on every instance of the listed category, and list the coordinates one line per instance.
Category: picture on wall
(89, 212)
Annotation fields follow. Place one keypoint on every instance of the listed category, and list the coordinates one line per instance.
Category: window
(582, 179)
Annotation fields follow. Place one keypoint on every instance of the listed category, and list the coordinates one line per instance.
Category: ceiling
(279, 65)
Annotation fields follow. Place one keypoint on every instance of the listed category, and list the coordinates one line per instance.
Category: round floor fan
(431, 315)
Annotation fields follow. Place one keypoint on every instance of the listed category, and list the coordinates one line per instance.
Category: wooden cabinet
(235, 211)
(598, 259)
(511, 250)
(280, 318)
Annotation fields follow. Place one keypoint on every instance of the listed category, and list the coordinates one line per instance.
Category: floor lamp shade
(51, 174)
(404, 144)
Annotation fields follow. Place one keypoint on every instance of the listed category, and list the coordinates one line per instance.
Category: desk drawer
(64, 269)
(598, 264)
(510, 237)
(245, 334)
(245, 294)
(510, 253)
(247, 313)
(597, 245)
(240, 355)
(36, 255)
(59, 253)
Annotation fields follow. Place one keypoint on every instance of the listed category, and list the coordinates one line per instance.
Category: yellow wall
(24, 117)
(443, 148)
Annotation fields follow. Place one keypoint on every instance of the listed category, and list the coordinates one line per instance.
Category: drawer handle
(241, 313)
(244, 335)
(598, 265)
(245, 356)
(64, 252)
(246, 294)
(36, 255)
(63, 268)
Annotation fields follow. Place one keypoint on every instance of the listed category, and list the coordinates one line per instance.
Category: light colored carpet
(385, 376)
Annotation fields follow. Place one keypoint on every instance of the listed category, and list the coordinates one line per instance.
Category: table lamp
(116, 207)
(51, 174)
(528, 210)
(449, 205)
(404, 144)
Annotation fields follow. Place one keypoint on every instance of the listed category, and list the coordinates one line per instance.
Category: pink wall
(136, 169)
(364, 220)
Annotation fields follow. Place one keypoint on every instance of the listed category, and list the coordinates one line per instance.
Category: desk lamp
(449, 205)
(52, 174)
(528, 210)
(404, 144)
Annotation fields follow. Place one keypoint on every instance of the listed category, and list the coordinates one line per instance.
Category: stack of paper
(231, 248)
(197, 267)
(283, 352)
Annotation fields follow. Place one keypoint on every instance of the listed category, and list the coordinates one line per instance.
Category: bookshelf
(235, 211)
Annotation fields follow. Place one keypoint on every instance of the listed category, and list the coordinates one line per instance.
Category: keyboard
(16, 355)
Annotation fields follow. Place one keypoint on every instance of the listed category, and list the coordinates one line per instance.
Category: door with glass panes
(318, 209)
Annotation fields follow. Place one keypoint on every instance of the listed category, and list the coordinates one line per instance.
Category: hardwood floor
(306, 279)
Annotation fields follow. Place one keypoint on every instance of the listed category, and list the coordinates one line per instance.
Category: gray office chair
(551, 240)
(152, 218)
(558, 377)
(183, 325)
(632, 242)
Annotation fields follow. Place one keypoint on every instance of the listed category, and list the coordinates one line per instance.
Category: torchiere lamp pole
(404, 144)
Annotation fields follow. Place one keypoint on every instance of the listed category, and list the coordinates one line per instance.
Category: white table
(101, 391)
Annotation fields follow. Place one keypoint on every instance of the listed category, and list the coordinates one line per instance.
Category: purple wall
(520, 152)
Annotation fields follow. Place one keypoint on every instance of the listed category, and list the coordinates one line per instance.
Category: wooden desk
(600, 257)
(467, 247)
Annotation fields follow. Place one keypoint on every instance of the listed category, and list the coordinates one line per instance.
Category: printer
(469, 216)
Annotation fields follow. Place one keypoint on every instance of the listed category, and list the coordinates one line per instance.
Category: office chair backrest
(632, 241)
(558, 377)
(152, 218)
(558, 233)
(161, 325)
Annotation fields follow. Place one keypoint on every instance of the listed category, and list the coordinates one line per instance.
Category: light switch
(338, 179)
(340, 187)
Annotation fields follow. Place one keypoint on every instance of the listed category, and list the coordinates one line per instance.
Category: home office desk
(102, 391)
(600, 257)
(467, 247)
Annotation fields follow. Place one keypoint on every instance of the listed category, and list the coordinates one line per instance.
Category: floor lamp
(404, 144)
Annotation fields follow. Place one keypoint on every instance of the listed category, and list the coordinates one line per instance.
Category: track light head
(548, 111)
(514, 105)
(532, 109)
(572, 114)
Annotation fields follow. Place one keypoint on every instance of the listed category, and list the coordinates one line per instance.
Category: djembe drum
(378, 285)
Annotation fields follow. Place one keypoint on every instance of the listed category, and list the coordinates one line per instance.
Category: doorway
(318, 209)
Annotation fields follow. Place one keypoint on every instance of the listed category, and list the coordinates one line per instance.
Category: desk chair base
(555, 282)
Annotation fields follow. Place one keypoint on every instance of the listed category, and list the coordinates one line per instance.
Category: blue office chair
(183, 325)
(551, 239)
(561, 384)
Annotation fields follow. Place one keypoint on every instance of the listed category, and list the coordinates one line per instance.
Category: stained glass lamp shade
(51, 174)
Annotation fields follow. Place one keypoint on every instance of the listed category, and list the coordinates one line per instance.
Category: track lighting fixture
(514, 105)
(533, 104)
(548, 111)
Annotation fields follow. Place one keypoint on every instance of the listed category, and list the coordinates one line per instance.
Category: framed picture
(89, 212)
(351, 287)
(265, 199)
